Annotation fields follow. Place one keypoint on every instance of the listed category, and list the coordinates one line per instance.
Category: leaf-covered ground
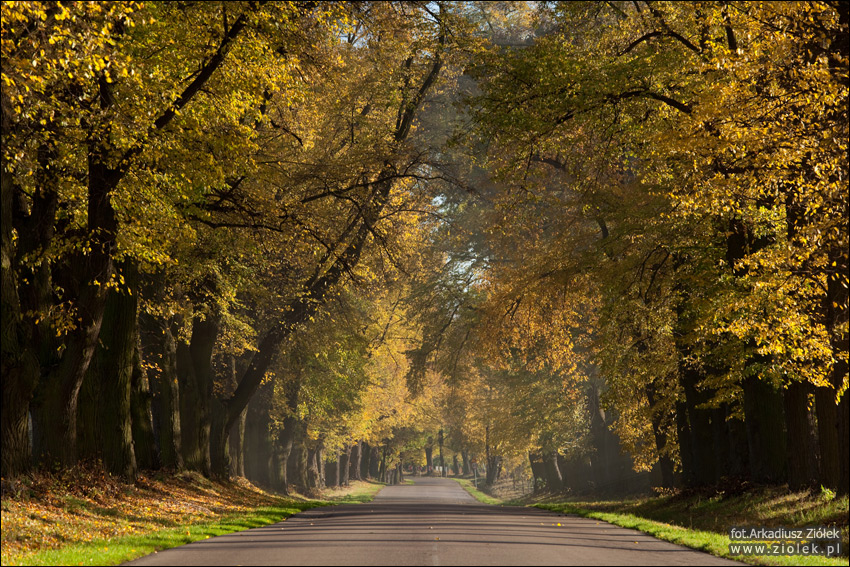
(83, 506)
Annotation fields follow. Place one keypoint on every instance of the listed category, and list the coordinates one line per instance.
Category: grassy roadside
(477, 494)
(702, 522)
(84, 517)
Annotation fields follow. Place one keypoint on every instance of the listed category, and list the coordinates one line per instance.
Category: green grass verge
(477, 494)
(710, 542)
(118, 550)
(364, 492)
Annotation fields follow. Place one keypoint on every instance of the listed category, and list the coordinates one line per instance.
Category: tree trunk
(19, 365)
(314, 483)
(538, 470)
(739, 450)
(217, 451)
(429, 458)
(105, 426)
(54, 410)
(702, 441)
(320, 462)
(554, 480)
(163, 352)
(465, 456)
(354, 462)
(189, 402)
(764, 419)
(236, 444)
(375, 463)
(837, 314)
(683, 434)
(382, 471)
(720, 441)
(204, 335)
(259, 444)
(665, 463)
(19, 378)
(332, 472)
(144, 440)
(344, 466)
(119, 345)
(284, 446)
(827, 414)
(365, 460)
(802, 460)
(300, 463)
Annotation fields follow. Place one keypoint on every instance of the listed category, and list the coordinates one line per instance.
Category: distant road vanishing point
(432, 522)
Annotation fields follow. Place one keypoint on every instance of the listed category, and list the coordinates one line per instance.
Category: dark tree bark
(827, 414)
(163, 352)
(836, 449)
(538, 470)
(19, 365)
(720, 441)
(236, 444)
(299, 459)
(765, 422)
(320, 462)
(236, 439)
(144, 439)
(106, 429)
(314, 478)
(354, 462)
(382, 469)
(739, 451)
(284, 449)
(189, 401)
(344, 466)
(375, 463)
(365, 460)
(554, 480)
(665, 464)
(204, 336)
(332, 472)
(465, 456)
(683, 433)
(802, 459)
(259, 444)
(699, 419)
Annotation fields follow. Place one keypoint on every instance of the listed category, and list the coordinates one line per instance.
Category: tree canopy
(278, 239)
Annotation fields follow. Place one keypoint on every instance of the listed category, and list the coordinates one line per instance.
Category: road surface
(432, 522)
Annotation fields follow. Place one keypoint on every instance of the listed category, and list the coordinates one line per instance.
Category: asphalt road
(432, 522)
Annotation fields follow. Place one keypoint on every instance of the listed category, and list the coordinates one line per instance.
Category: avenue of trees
(309, 242)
